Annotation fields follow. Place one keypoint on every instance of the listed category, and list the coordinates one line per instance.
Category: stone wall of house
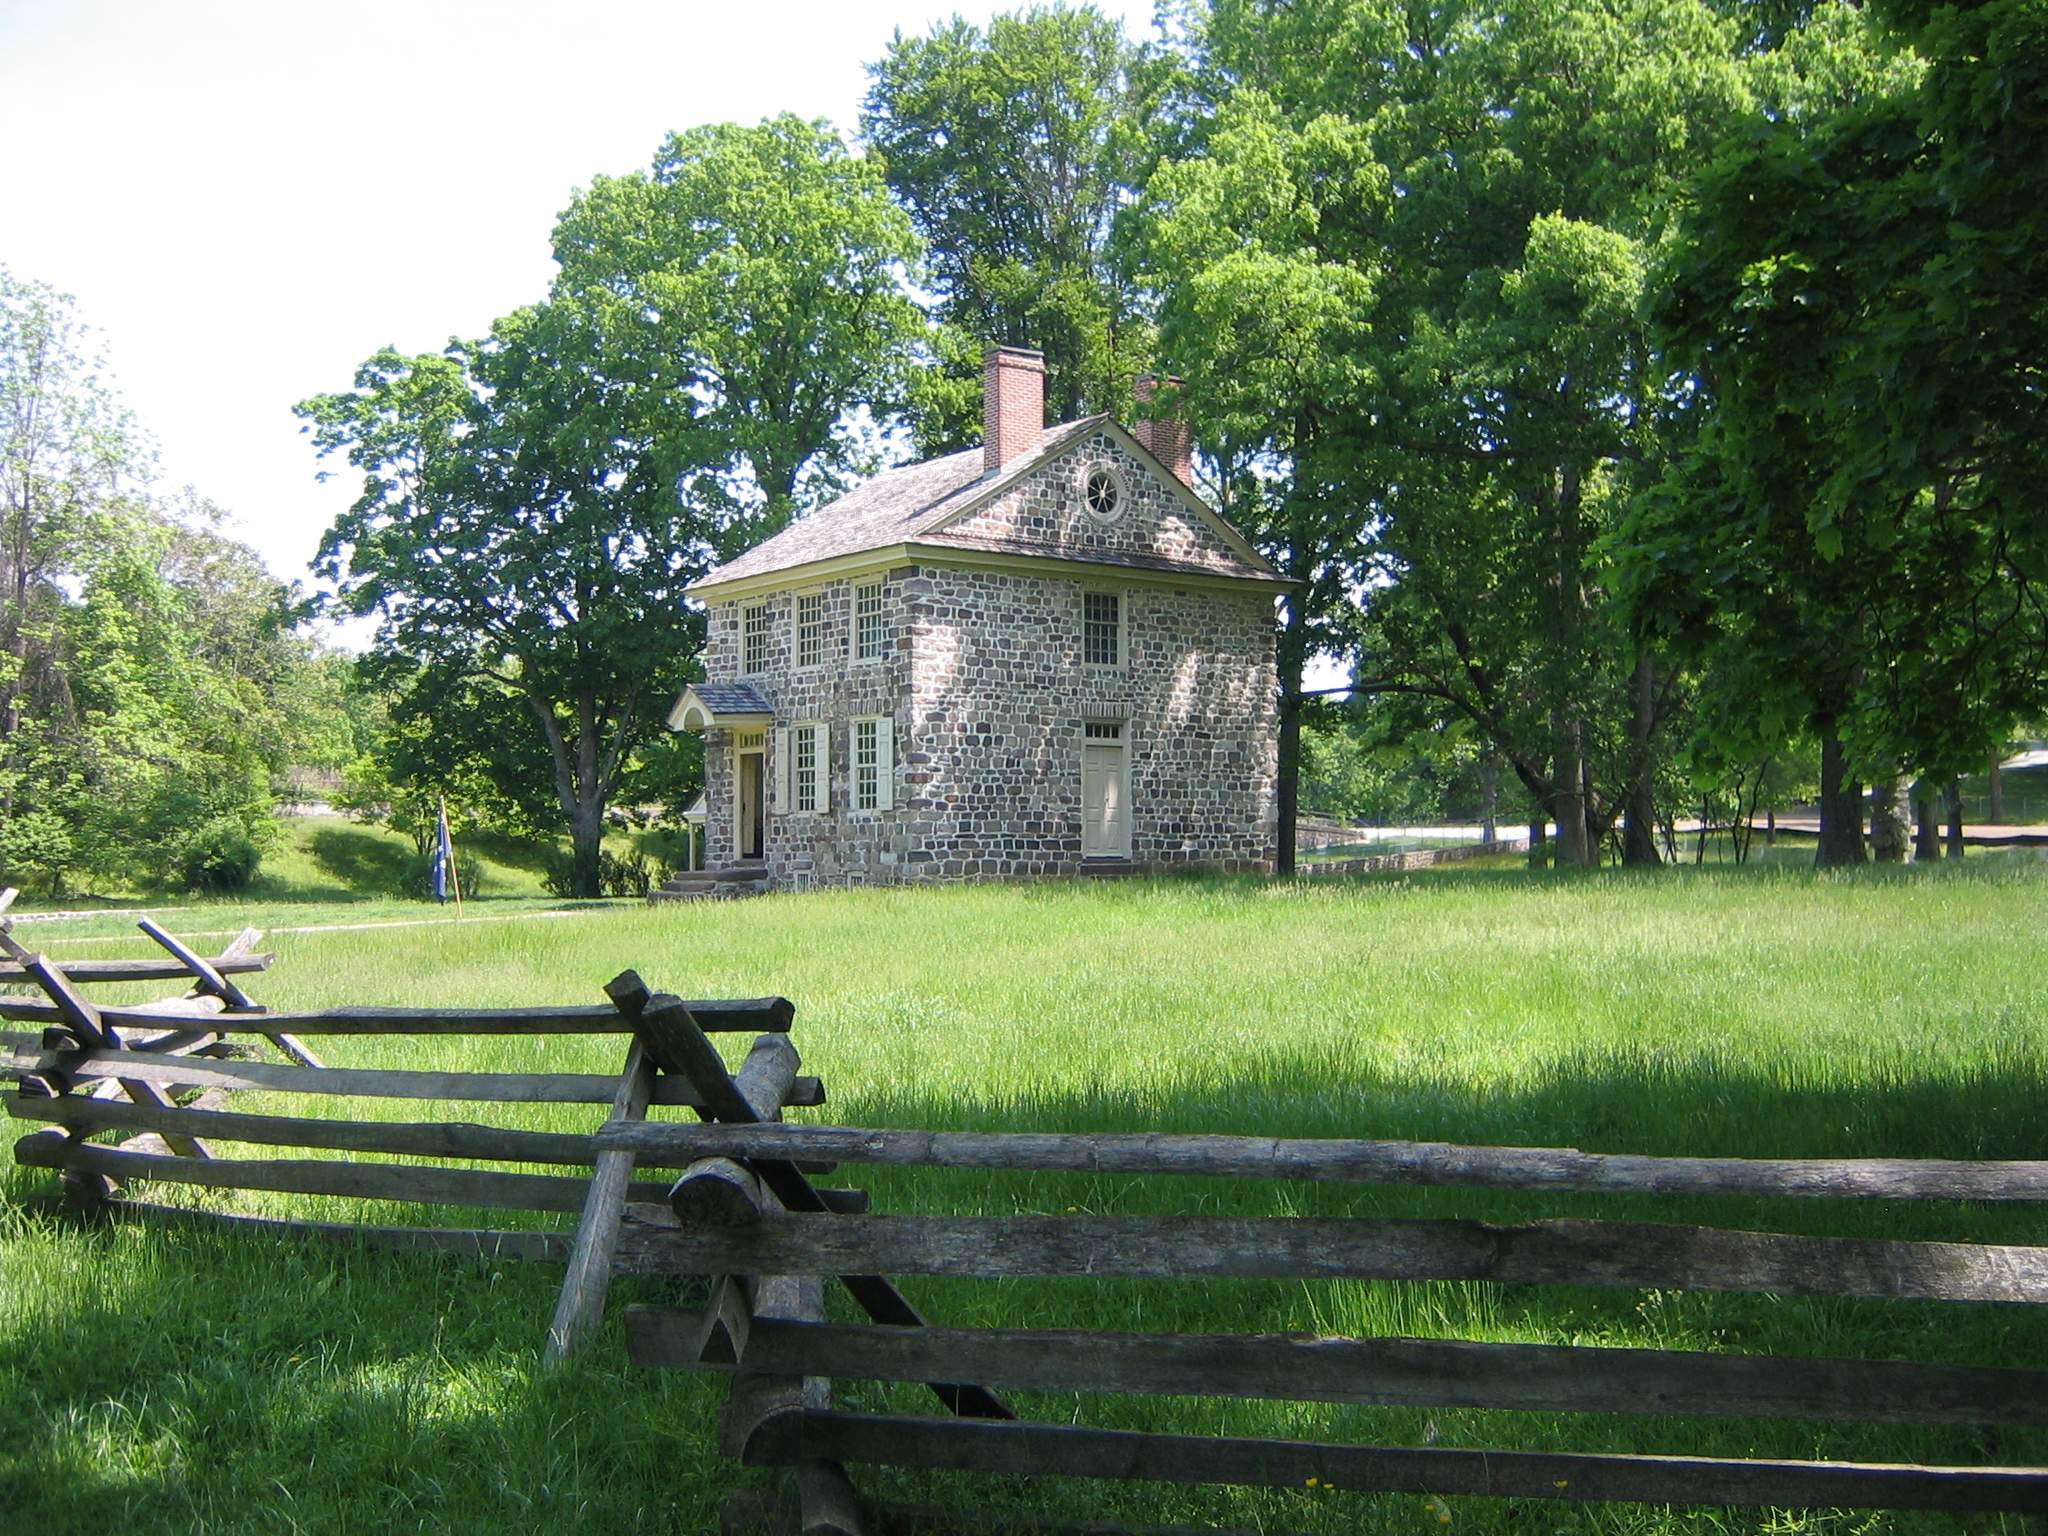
(984, 678)
(838, 845)
(1000, 700)
(1045, 510)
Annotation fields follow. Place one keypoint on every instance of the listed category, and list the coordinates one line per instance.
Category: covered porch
(735, 719)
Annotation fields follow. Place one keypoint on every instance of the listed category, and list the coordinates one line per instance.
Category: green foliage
(37, 847)
(534, 503)
(750, 285)
(627, 874)
(1858, 295)
(218, 857)
(1016, 150)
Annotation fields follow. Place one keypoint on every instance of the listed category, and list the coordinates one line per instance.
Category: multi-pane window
(874, 764)
(869, 632)
(809, 768)
(866, 767)
(755, 628)
(810, 629)
(1102, 623)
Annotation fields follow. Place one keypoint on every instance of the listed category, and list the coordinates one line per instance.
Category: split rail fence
(745, 1213)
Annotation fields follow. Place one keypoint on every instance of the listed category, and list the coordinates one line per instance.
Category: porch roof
(719, 706)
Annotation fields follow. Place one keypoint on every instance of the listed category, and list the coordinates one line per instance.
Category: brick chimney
(1012, 405)
(1162, 430)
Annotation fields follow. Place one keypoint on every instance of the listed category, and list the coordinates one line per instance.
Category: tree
(1264, 322)
(759, 272)
(67, 450)
(1860, 301)
(1499, 180)
(535, 502)
(1016, 150)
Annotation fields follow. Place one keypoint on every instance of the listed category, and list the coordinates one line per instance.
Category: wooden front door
(1105, 793)
(749, 804)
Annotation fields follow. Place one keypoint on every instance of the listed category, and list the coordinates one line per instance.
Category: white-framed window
(810, 629)
(874, 763)
(757, 625)
(1102, 629)
(810, 767)
(870, 633)
(1102, 492)
(1102, 730)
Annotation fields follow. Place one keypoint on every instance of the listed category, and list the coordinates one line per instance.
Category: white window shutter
(782, 756)
(821, 774)
(885, 763)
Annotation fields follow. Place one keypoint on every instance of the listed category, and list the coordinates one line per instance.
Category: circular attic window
(1102, 493)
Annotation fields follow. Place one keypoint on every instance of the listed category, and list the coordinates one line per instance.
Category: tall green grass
(174, 1380)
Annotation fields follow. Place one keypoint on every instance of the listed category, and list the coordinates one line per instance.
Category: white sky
(247, 199)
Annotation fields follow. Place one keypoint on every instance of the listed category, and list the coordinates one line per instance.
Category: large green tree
(1267, 305)
(152, 686)
(1469, 201)
(1016, 149)
(68, 450)
(1862, 298)
(534, 503)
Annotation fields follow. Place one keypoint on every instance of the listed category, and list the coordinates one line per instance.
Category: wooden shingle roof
(913, 506)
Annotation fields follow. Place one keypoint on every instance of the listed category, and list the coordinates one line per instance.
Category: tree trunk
(1639, 816)
(1568, 799)
(581, 787)
(1955, 818)
(1639, 827)
(1994, 813)
(586, 843)
(1891, 820)
(1489, 799)
(1926, 823)
(1539, 854)
(1841, 808)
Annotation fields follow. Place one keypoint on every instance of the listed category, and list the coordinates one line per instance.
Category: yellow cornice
(867, 561)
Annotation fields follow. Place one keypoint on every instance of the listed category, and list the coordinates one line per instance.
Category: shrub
(630, 876)
(35, 845)
(219, 856)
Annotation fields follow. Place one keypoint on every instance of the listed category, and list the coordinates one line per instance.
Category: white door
(1105, 799)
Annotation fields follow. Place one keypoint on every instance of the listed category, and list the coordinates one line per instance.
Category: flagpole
(454, 874)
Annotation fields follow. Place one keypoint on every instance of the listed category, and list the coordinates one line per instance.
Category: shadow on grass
(364, 862)
(388, 1383)
(209, 1382)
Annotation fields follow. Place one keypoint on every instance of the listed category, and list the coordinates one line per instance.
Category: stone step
(714, 884)
(1108, 869)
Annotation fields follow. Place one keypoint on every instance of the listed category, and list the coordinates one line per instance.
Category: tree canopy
(535, 502)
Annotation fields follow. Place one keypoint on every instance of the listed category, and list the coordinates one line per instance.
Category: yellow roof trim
(1215, 521)
(863, 562)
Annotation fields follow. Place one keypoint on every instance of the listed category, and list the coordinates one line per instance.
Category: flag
(444, 856)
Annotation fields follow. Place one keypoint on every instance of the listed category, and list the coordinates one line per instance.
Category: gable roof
(916, 505)
(720, 705)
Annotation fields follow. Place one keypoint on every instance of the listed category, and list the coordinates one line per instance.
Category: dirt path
(396, 922)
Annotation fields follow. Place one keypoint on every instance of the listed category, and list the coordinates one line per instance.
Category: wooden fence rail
(734, 1224)
(743, 1211)
(1440, 1164)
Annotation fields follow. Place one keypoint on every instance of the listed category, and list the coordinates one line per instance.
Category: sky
(248, 199)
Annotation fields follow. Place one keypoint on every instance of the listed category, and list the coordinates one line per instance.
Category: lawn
(157, 1380)
(370, 870)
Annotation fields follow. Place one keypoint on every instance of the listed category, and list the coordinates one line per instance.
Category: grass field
(156, 1380)
(335, 861)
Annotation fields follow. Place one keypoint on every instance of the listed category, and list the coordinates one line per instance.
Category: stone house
(1044, 656)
